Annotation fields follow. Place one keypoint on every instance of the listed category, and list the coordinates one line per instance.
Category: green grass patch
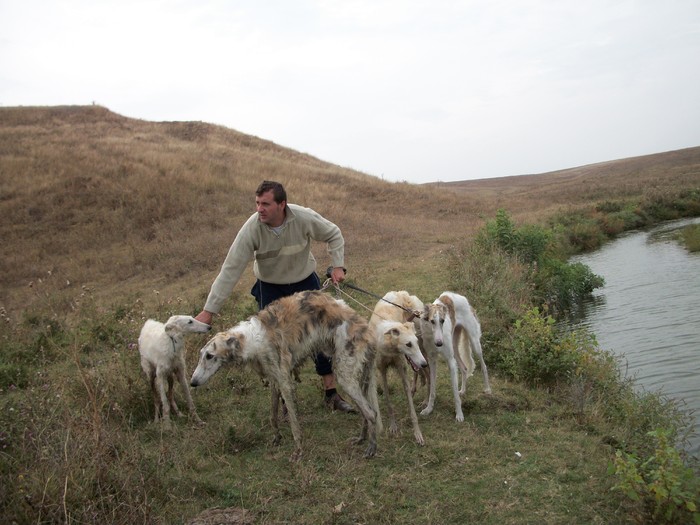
(691, 237)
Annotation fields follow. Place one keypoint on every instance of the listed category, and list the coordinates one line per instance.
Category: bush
(557, 284)
(561, 285)
(669, 488)
(535, 356)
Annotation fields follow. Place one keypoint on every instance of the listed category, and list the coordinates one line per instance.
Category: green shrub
(668, 487)
(535, 355)
(561, 284)
(529, 242)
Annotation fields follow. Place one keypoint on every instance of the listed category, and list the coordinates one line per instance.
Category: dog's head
(435, 314)
(402, 337)
(223, 348)
(180, 324)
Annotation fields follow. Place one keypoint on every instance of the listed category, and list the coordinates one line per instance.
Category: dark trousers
(265, 293)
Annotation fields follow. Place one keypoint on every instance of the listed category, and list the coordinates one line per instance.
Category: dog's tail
(464, 353)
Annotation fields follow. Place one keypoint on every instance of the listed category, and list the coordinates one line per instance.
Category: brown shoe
(335, 402)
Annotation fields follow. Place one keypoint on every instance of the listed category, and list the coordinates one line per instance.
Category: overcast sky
(407, 90)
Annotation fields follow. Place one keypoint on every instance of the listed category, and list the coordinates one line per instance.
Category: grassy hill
(91, 198)
(108, 220)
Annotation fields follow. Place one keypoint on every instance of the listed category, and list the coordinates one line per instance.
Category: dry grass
(125, 205)
(109, 220)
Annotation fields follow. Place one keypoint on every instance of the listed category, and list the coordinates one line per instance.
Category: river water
(649, 311)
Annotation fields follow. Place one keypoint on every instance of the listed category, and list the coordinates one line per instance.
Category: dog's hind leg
(274, 414)
(476, 345)
(155, 393)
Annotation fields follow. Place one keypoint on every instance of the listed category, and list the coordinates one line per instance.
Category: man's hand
(204, 317)
(338, 275)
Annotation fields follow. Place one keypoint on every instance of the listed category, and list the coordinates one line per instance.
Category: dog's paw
(426, 411)
(371, 450)
(459, 417)
(394, 429)
(419, 438)
(296, 456)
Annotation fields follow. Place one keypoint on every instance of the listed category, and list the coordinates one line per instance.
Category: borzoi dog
(163, 359)
(282, 336)
(396, 342)
(450, 328)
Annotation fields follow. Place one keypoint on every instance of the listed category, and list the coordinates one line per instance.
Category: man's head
(270, 203)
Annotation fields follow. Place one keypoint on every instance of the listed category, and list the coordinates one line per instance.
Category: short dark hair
(275, 187)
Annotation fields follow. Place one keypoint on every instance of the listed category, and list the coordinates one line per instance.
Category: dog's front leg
(454, 379)
(432, 382)
(188, 396)
(411, 409)
(393, 427)
(161, 381)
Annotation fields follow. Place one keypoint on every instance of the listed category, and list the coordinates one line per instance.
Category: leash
(411, 313)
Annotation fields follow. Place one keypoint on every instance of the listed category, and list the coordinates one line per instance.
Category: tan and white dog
(278, 339)
(396, 342)
(450, 328)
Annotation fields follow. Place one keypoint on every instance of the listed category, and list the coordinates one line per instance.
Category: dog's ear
(171, 327)
(394, 332)
(233, 343)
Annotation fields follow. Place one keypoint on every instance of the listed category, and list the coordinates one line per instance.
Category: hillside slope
(122, 206)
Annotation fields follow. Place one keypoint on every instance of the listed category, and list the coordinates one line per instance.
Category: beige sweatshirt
(282, 258)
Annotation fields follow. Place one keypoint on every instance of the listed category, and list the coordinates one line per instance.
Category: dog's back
(152, 340)
(464, 314)
(312, 318)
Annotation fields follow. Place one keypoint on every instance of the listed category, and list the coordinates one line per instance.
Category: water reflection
(578, 314)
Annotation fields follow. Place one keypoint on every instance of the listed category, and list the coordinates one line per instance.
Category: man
(278, 239)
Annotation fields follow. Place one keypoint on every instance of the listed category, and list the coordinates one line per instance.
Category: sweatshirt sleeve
(323, 230)
(239, 255)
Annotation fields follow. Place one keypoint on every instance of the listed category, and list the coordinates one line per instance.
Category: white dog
(163, 359)
(450, 328)
(279, 338)
(396, 343)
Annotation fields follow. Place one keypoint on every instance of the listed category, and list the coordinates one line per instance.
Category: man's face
(269, 212)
